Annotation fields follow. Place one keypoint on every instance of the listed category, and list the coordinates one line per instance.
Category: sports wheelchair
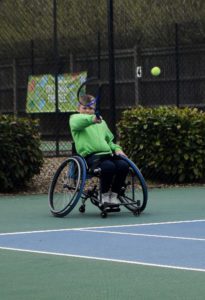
(74, 181)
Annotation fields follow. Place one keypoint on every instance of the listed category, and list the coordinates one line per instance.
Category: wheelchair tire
(134, 196)
(67, 186)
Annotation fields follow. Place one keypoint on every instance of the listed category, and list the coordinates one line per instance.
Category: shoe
(106, 198)
(114, 198)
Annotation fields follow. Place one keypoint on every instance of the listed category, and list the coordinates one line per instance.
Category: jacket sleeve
(80, 121)
(109, 139)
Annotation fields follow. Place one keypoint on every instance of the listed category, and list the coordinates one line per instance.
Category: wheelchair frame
(75, 175)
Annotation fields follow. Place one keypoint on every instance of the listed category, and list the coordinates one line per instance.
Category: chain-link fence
(48, 47)
(47, 50)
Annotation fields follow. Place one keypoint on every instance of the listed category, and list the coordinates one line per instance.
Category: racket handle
(97, 113)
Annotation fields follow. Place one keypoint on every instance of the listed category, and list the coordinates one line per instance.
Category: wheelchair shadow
(94, 213)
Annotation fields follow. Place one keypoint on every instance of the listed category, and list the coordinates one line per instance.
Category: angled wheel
(134, 194)
(67, 186)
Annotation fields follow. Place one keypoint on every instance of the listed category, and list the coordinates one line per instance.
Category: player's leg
(121, 171)
(107, 173)
(134, 192)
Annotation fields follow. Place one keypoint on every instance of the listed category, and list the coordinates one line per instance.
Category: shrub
(20, 154)
(165, 142)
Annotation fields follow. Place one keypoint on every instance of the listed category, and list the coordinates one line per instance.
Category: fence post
(56, 58)
(14, 87)
(71, 62)
(32, 56)
(99, 56)
(111, 62)
(177, 63)
(137, 74)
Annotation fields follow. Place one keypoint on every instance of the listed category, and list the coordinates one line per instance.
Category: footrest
(108, 204)
(106, 210)
(112, 209)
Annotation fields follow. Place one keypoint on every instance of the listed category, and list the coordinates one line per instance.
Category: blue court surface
(177, 245)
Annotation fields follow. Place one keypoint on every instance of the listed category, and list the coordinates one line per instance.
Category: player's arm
(117, 149)
(80, 121)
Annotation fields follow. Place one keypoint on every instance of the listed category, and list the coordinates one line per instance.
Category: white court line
(105, 259)
(144, 235)
(39, 231)
(99, 227)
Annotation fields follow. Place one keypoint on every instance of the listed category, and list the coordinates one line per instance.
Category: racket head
(96, 95)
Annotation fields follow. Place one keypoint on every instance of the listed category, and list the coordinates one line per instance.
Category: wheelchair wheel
(67, 186)
(134, 194)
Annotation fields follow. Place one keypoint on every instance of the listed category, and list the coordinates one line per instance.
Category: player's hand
(120, 152)
(97, 120)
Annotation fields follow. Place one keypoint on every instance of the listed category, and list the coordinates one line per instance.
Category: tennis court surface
(159, 254)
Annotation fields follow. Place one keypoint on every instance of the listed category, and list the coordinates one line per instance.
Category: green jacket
(90, 137)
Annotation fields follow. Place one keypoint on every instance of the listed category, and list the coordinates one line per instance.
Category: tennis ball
(155, 71)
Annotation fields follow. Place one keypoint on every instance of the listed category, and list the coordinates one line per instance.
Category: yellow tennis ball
(155, 71)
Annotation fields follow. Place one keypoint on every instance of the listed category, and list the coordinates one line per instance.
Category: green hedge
(21, 157)
(167, 143)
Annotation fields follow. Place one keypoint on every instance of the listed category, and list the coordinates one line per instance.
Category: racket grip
(97, 113)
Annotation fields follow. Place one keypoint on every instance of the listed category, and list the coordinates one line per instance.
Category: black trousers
(113, 171)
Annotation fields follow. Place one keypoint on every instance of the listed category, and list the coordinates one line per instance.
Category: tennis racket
(96, 100)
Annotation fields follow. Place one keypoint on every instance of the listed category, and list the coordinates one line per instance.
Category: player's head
(87, 104)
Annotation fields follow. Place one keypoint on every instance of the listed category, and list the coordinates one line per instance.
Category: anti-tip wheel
(82, 209)
(103, 214)
(136, 212)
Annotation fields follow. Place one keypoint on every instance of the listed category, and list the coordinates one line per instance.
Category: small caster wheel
(136, 212)
(103, 214)
(82, 209)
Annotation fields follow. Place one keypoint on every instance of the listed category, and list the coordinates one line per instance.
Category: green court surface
(26, 275)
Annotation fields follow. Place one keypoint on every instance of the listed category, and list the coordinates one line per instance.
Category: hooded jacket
(90, 137)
